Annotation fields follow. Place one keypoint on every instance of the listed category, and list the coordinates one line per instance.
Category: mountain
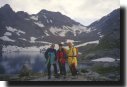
(53, 19)
(109, 26)
(109, 44)
(98, 44)
(21, 29)
(104, 58)
(107, 22)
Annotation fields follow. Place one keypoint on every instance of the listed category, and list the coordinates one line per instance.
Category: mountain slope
(22, 29)
(109, 44)
(110, 28)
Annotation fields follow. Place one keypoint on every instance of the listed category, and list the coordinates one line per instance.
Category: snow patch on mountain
(80, 29)
(50, 21)
(11, 29)
(6, 38)
(74, 29)
(10, 48)
(39, 24)
(58, 31)
(43, 42)
(7, 34)
(46, 32)
(32, 39)
(91, 42)
(100, 35)
(16, 48)
(104, 59)
(22, 39)
(17, 31)
(27, 19)
(34, 18)
(47, 21)
(45, 17)
(72, 41)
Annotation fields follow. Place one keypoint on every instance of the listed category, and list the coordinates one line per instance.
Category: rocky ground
(92, 72)
(68, 78)
(88, 70)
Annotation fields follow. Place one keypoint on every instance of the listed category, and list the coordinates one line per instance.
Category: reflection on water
(13, 62)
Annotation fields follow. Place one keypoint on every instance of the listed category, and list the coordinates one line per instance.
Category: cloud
(85, 10)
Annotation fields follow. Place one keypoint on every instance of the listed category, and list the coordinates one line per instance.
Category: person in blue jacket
(51, 59)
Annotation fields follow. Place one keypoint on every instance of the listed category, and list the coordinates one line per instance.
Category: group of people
(61, 57)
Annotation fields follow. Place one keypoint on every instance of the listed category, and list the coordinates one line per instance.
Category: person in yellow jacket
(72, 59)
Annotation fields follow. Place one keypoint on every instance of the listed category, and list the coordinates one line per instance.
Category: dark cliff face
(109, 44)
(108, 22)
(109, 27)
(56, 19)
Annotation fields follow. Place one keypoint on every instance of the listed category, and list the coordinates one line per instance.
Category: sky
(83, 11)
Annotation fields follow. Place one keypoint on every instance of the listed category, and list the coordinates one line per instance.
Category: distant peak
(7, 7)
(21, 12)
(43, 11)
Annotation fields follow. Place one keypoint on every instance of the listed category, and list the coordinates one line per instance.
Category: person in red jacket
(61, 57)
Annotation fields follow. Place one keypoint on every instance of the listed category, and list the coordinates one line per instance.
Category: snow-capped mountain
(21, 28)
(104, 27)
(24, 30)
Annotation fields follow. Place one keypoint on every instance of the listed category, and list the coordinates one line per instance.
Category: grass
(84, 71)
(105, 70)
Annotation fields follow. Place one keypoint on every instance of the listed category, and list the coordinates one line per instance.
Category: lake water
(12, 62)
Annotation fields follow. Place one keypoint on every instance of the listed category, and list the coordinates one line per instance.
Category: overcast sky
(83, 11)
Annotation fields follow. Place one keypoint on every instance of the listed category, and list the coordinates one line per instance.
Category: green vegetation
(105, 70)
(107, 47)
(84, 71)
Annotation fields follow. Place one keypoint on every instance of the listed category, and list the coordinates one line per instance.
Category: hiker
(61, 57)
(51, 59)
(72, 59)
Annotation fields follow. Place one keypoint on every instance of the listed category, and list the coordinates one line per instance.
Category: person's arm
(74, 51)
(65, 53)
(55, 55)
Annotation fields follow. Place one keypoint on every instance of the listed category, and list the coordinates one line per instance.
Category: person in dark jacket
(51, 59)
(61, 57)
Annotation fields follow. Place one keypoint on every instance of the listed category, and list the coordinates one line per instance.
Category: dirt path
(68, 78)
